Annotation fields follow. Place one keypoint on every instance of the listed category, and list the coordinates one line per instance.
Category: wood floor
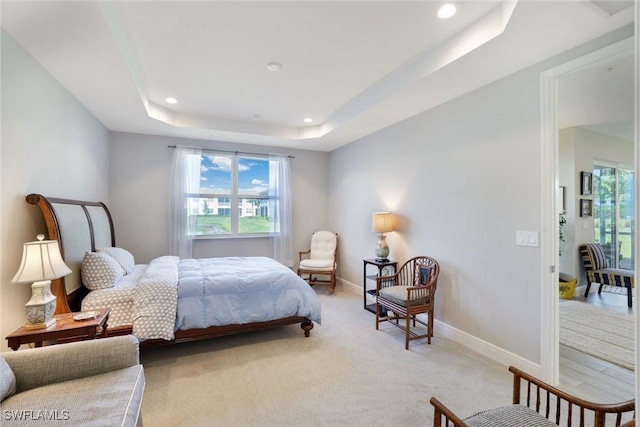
(591, 378)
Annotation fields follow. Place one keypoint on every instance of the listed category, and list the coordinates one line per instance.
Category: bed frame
(80, 227)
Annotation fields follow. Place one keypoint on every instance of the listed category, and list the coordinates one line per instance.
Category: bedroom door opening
(553, 125)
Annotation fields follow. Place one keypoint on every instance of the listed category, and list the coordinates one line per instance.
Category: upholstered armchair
(87, 383)
(598, 271)
(320, 260)
(407, 293)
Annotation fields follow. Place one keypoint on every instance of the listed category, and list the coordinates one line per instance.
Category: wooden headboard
(79, 227)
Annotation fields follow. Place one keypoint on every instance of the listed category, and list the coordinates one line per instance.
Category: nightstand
(381, 265)
(65, 328)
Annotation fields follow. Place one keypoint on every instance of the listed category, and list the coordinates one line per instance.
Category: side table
(380, 265)
(65, 327)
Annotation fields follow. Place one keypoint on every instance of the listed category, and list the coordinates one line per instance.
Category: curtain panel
(185, 181)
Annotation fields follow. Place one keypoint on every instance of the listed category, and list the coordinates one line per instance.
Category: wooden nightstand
(65, 328)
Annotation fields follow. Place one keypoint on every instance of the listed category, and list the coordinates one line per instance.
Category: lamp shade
(381, 222)
(41, 260)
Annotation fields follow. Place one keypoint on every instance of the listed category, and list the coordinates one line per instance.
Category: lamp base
(41, 306)
(382, 248)
(382, 259)
(43, 325)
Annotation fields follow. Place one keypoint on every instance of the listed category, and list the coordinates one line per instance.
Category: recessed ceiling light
(274, 66)
(308, 120)
(447, 10)
(171, 100)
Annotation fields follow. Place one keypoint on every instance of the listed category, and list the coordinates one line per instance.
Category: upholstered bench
(87, 383)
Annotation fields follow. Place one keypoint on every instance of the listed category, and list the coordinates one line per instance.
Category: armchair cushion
(593, 256)
(323, 245)
(7, 380)
(512, 415)
(57, 363)
(398, 295)
(112, 398)
(317, 264)
(613, 277)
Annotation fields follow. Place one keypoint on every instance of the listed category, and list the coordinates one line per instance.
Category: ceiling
(600, 98)
(353, 67)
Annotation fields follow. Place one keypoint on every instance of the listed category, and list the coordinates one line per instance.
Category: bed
(271, 295)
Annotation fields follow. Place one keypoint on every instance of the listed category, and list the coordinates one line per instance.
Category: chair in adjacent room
(598, 271)
(320, 260)
(406, 294)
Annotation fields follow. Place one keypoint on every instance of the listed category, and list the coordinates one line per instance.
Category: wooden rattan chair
(538, 403)
(406, 294)
(320, 260)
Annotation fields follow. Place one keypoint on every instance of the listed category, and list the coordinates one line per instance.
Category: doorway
(551, 126)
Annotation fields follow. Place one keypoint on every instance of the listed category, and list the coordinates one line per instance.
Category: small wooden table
(65, 327)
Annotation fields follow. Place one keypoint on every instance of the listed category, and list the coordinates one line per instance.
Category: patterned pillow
(100, 271)
(124, 257)
(7, 380)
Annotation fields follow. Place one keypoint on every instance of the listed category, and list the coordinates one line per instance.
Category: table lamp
(41, 262)
(382, 223)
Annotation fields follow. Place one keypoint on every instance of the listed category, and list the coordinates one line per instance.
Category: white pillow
(124, 257)
(100, 271)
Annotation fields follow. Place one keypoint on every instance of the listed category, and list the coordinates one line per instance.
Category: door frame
(549, 340)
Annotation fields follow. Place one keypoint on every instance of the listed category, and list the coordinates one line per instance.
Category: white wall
(579, 149)
(50, 145)
(463, 178)
(139, 196)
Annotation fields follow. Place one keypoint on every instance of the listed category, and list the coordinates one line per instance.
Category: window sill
(230, 236)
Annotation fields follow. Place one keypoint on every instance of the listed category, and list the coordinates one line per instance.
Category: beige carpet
(345, 374)
(598, 331)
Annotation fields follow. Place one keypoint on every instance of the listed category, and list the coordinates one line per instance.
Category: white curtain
(185, 181)
(281, 240)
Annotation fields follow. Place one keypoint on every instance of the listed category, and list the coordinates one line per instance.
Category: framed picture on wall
(586, 206)
(586, 183)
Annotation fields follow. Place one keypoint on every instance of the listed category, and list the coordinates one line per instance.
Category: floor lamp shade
(41, 262)
(381, 222)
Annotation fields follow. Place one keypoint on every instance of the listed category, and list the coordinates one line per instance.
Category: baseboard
(474, 343)
(486, 349)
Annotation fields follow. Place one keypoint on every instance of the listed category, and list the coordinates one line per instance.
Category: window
(234, 196)
(215, 194)
(614, 213)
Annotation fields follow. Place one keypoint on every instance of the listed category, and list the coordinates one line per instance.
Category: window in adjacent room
(614, 213)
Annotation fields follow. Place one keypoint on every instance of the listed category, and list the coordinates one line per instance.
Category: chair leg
(430, 327)
(629, 296)
(333, 281)
(586, 293)
(600, 288)
(407, 331)
(377, 315)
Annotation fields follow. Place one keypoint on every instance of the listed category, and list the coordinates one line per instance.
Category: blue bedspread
(238, 290)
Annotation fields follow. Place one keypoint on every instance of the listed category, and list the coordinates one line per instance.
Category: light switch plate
(527, 238)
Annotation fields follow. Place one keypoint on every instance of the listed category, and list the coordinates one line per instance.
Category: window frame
(235, 198)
